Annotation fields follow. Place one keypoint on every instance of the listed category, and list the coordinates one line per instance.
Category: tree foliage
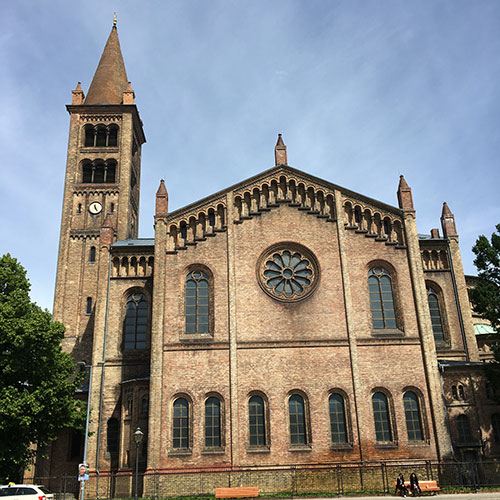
(37, 381)
(485, 296)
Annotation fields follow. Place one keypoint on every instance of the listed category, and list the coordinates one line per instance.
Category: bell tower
(103, 172)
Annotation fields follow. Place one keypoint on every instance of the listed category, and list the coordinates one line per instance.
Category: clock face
(95, 208)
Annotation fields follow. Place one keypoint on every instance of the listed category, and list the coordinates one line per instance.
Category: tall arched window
(381, 417)
(257, 421)
(136, 322)
(435, 310)
(212, 423)
(180, 424)
(197, 302)
(464, 430)
(92, 254)
(113, 435)
(338, 425)
(381, 298)
(297, 414)
(412, 414)
(495, 424)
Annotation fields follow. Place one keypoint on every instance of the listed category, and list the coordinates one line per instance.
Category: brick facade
(255, 343)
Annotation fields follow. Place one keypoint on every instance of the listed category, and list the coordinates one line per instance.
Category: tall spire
(110, 79)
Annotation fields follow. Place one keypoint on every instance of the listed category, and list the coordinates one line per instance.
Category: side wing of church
(284, 320)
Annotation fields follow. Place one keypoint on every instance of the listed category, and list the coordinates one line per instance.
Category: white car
(25, 492)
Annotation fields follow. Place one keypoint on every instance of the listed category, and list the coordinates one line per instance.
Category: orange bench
(237, 492)
(425, 486)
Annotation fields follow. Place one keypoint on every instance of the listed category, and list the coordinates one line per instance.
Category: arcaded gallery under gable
(283, 321)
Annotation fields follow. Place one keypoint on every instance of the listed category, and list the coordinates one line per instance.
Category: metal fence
(305, 480)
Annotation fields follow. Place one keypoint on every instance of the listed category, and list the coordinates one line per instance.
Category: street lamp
(138, 435)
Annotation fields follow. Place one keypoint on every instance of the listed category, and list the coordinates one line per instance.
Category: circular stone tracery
(288, 272)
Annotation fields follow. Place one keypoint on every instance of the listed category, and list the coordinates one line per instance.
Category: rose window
(288, 272)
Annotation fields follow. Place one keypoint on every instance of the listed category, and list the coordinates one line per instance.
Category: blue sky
(363, 91)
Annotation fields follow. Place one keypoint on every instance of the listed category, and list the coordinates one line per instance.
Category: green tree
(485, 296)
(37, 380)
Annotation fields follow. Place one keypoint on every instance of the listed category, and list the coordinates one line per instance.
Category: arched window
(381, 298)
(99, 172)
(180, 424)
(89, 136)
(495, 424)
(136, 322)
(110, 172)
(257, 421)
(436, 319)
(338, 426)
(197, 302)
(113, 135)
(461, 392)
(212, 423)
(381, 417)
(464, 430)
(297, 415)
(88, 310)
(101, 138)
(412, 414)
(113, 435)
(87, 172)
(92, 254)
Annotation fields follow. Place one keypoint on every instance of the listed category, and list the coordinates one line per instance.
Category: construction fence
(306, 480)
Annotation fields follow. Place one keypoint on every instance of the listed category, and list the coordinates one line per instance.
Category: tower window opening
(99, 172)
(92, 254)
(88, 310)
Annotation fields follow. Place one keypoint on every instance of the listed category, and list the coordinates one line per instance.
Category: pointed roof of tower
(446, 210)
(110, 79)
(280, 152)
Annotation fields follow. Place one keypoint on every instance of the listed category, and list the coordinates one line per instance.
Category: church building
(284, 320)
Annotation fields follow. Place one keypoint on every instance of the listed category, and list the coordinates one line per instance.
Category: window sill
(259, 449)
(196, 337)
(299, 447)
(423, 442)
(387, 446)
(388, 332)
(180, 453)
(213, 451)
(341, 446)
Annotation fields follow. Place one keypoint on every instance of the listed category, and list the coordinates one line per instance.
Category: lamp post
(138, 435)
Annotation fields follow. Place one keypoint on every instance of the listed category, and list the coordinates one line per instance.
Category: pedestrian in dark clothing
(414, 487)
(400, 486)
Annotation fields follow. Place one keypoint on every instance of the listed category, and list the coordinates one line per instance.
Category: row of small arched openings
(101, 135)
(435, 260)
(283, 190)
(373, 224)
(99, 171)
(197, 227)
(127, 267)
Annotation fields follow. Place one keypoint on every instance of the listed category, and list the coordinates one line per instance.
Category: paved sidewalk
(490, 495)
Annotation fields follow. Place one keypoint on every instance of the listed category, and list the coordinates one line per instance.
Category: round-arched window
(288, 272)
